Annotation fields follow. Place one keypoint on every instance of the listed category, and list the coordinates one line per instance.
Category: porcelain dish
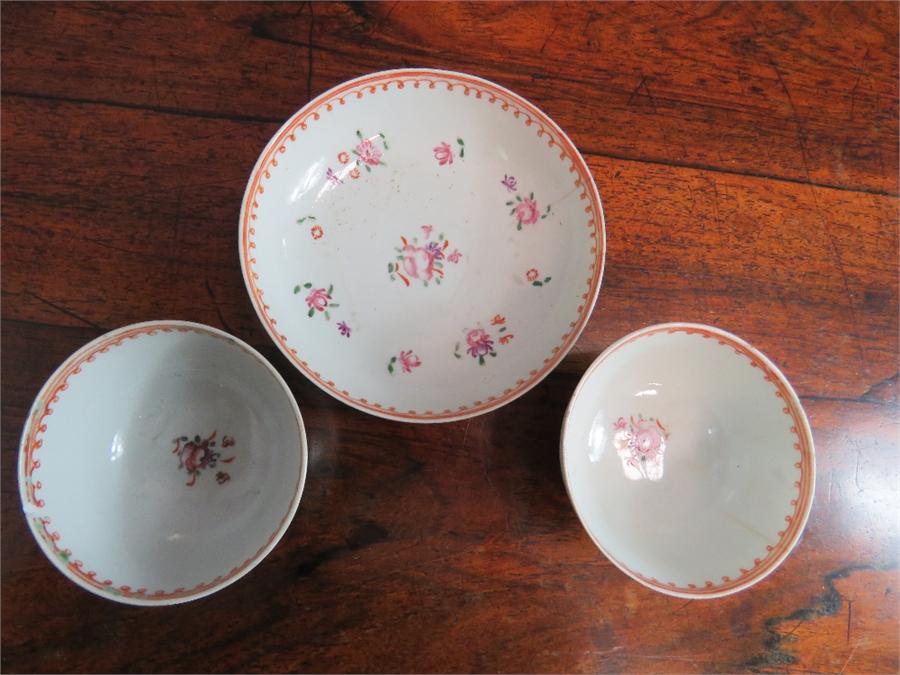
(689, 460)
(423, 245)
(161, 462)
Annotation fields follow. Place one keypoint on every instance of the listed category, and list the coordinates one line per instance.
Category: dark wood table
(747, 155)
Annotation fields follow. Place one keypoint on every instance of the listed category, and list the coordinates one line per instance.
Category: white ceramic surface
(161, 462)
(423, 245)
(689, 460)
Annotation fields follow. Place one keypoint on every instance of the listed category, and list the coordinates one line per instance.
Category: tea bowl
(689, 460)
(161, 462)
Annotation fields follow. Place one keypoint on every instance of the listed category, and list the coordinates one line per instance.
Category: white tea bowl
(689, 460)
(161, 462)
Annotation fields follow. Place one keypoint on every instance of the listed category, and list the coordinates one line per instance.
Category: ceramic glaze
(689, 460)
(161, 462)
(401, 212)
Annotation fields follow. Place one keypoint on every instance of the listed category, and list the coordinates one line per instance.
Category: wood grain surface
(747, 156)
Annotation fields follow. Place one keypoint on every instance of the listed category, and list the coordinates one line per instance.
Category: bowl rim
(790, 536)
(63, 559)
(366, 84)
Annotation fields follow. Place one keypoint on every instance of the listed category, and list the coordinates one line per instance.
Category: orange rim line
(37, 426)
(519, 107)
(788, 536)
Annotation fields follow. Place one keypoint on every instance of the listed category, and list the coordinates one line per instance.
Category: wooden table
(747, 158)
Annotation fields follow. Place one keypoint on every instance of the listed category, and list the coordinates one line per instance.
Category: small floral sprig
(406, 361)
(533, 276)
(343, 328)
(315, 230)
(368, 154)
(509, 182)
(526, 210)
(480, 342)
(444, 154)
(318, 300)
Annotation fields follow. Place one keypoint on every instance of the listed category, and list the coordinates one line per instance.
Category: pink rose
(532, 274)
(443, 154)
(479, 341)
(368, 152)
(620, 423)
(527, 212)
(317, 299)
(647, 439)
(418, 262)
(408, 361)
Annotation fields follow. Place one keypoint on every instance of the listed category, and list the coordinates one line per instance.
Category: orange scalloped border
(416, 78)
(800, 504)
(37, 427)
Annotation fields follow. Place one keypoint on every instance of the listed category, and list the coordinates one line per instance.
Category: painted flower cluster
(640, 444)
(367, 154)
(318, 300)
(422, 261)
(194, 456)
(481, 342)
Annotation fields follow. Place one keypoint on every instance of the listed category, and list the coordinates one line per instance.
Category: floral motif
(319, 300)
(525, 209)
(343, 328)
(533, 276)
(406, 361)
(343, 157)
(367, 152)
(198, 454)
(443, 152)
(424, 261)
(315, 231)
(640, 444)
(333, 178)
(479, 342)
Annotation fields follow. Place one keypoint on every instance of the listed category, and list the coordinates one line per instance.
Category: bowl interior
(422, 245)
(171, 460)
(688, 459)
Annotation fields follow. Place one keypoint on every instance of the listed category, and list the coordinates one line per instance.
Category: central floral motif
(198, 454)
(640, 444)
(422, 261)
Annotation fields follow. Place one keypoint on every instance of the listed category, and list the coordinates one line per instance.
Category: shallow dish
(689, 460)
(423, 245)
(161, 462)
